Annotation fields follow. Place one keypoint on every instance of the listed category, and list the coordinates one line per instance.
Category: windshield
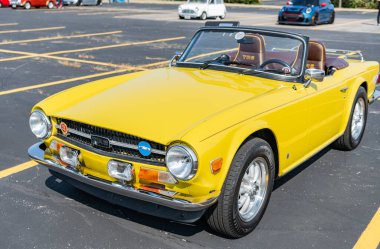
(197, 1)
(305, 2)
(248, 50)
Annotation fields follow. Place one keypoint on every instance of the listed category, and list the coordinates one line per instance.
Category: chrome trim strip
(37, 153)
(112, 142)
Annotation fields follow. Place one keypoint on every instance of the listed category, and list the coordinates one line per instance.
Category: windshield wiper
(225, 60)
(222, 58)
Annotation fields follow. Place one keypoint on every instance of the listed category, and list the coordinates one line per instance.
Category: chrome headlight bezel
(181, 172)
(45, 121)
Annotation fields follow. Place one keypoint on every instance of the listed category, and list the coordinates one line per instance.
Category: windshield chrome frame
(289, 78)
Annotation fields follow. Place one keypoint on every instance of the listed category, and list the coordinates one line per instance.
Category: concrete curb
(253, 6)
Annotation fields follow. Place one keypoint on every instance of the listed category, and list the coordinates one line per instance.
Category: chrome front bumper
(37, 152)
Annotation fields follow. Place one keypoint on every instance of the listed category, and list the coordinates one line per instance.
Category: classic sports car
(27, 4)
(208, 135)
(307, 12)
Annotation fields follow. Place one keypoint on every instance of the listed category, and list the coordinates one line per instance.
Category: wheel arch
(359, 82)
(269, 136)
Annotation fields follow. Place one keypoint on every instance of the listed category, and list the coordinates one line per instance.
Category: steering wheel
(275, 61)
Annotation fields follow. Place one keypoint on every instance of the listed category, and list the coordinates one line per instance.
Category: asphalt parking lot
(325, 203)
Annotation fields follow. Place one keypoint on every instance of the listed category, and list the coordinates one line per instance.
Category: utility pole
(340, 3)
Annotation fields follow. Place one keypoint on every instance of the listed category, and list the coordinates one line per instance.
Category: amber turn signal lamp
(156, 176)
(216, 165)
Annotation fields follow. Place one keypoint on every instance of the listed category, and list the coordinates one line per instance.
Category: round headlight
(196, 9)
(308, 10)
(181, 162)
(40, 124)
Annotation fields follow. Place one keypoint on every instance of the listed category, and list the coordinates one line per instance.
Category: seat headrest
(316, 55)
(251, 50)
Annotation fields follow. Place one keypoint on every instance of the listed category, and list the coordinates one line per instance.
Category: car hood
(159, 105)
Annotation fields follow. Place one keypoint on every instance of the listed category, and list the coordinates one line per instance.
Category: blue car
(307, 12)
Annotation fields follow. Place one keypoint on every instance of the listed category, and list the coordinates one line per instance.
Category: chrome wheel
(253, 188)
(358, 116)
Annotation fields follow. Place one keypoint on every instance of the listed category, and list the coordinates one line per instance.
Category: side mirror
(174, 59)
(316, 75)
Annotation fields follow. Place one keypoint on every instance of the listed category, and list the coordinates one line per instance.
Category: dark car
(307, 12)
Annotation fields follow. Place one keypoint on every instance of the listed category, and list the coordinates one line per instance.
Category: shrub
(370, 4)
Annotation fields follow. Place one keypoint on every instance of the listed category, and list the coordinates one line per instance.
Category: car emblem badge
(64, 128)
(101, 142)
(144, 148)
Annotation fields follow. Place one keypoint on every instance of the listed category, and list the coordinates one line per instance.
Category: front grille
(188, 11)
(121, 144)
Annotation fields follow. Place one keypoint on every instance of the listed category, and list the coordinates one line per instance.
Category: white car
(202, 9)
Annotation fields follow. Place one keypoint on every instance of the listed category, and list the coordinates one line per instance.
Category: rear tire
(27, 6)
(50, 5)
(243, 201)
(356, 125)
(204, 16)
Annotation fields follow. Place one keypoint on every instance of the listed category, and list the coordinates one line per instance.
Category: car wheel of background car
(246, 190)
(180, 17)
(332, 18)
(50, 5)
(27, 5)
(204, 16)
(99, 2)
(315, 20)
(1, 5)
(14, 7)
(223, 16)
(356, 124)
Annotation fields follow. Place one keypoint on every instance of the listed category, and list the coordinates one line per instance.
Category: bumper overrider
(123, 195)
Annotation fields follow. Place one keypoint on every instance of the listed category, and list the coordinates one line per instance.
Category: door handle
(344, 89)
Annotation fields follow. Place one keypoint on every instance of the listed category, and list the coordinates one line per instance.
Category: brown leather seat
(316, 55)
(252, 51)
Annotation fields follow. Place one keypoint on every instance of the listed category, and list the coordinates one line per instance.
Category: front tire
(332, 18)
(356, 125)
(315, 20)
(246, 191)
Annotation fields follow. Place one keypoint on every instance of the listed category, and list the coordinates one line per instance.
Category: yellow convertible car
(208, 135)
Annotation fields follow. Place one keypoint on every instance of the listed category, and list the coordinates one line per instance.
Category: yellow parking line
(48, 55)
(116, 45)
(99, 63)
(8, 24)
(59, 37)
(21, 89)
(17, 58)
(370, 238)
(31, 30)
(17, 168)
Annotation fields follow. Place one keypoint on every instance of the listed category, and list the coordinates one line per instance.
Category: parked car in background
(202, 9)
(4, 3)
(309, 12)
(27, 4)
(82, 2)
